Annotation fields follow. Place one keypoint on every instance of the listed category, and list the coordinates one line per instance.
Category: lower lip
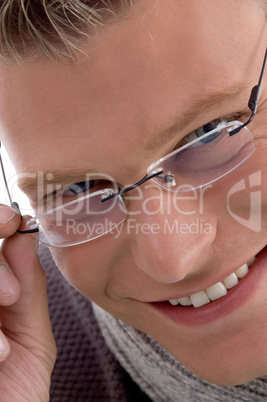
(235, 298)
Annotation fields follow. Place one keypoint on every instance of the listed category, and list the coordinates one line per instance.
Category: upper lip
(200, 287)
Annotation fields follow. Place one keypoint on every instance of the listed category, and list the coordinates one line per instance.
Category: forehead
(138, 76)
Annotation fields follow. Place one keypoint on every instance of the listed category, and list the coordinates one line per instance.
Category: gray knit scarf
(162, 377)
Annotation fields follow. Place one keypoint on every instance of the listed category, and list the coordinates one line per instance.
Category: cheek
(89, 267)
(243, 192)
(248, 194)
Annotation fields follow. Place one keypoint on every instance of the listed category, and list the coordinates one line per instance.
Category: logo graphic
(254, 220)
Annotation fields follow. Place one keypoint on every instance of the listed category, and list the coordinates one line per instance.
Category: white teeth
(242, 271)
(230, 281)
(251, 261)
(215, 291)
(174, 302)
(199, 299)
(185, 301)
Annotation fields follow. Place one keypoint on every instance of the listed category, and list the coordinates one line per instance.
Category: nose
(170, 245)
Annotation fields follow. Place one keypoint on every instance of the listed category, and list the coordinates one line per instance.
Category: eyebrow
(197, 107)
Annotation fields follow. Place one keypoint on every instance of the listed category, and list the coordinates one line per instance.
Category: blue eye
(209, 127)
(88, 186)
(73, 192)
(81, 187)
(201, 131)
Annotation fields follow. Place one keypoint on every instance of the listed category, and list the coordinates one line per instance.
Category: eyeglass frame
(252, 104)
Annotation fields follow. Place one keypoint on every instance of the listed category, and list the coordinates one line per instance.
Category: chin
(233, 361)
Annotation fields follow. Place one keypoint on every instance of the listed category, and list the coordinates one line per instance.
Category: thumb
(28, 318)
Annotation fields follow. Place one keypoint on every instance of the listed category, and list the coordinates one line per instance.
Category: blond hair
(55, 29)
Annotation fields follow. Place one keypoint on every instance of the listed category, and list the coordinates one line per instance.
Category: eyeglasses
(87, 210)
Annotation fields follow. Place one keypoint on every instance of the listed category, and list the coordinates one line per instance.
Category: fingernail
(6, 214)
(4, 347)
(9, 285)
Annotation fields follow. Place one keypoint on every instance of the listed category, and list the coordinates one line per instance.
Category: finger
(4, 347)
(9, 285)
(29, 314)
(10, 220)
(20, 252)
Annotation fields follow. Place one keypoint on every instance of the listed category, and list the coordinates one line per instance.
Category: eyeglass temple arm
(253, 100)
(13, 204)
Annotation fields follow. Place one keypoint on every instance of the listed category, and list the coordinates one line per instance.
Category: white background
(16, 194)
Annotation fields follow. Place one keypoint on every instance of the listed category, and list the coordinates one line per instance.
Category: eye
(72, 193)
(201, 131)
(81, 187)
(85, 187)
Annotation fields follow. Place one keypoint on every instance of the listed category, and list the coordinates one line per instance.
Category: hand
(27, 346)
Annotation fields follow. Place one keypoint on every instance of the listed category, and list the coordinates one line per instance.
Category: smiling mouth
(216, 291)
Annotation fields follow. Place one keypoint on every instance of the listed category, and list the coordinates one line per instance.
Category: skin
(141, 74)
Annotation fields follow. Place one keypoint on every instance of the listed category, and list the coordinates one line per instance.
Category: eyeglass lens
(205, 160)
(202, 161)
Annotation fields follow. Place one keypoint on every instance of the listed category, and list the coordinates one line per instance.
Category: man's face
(106, 114)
